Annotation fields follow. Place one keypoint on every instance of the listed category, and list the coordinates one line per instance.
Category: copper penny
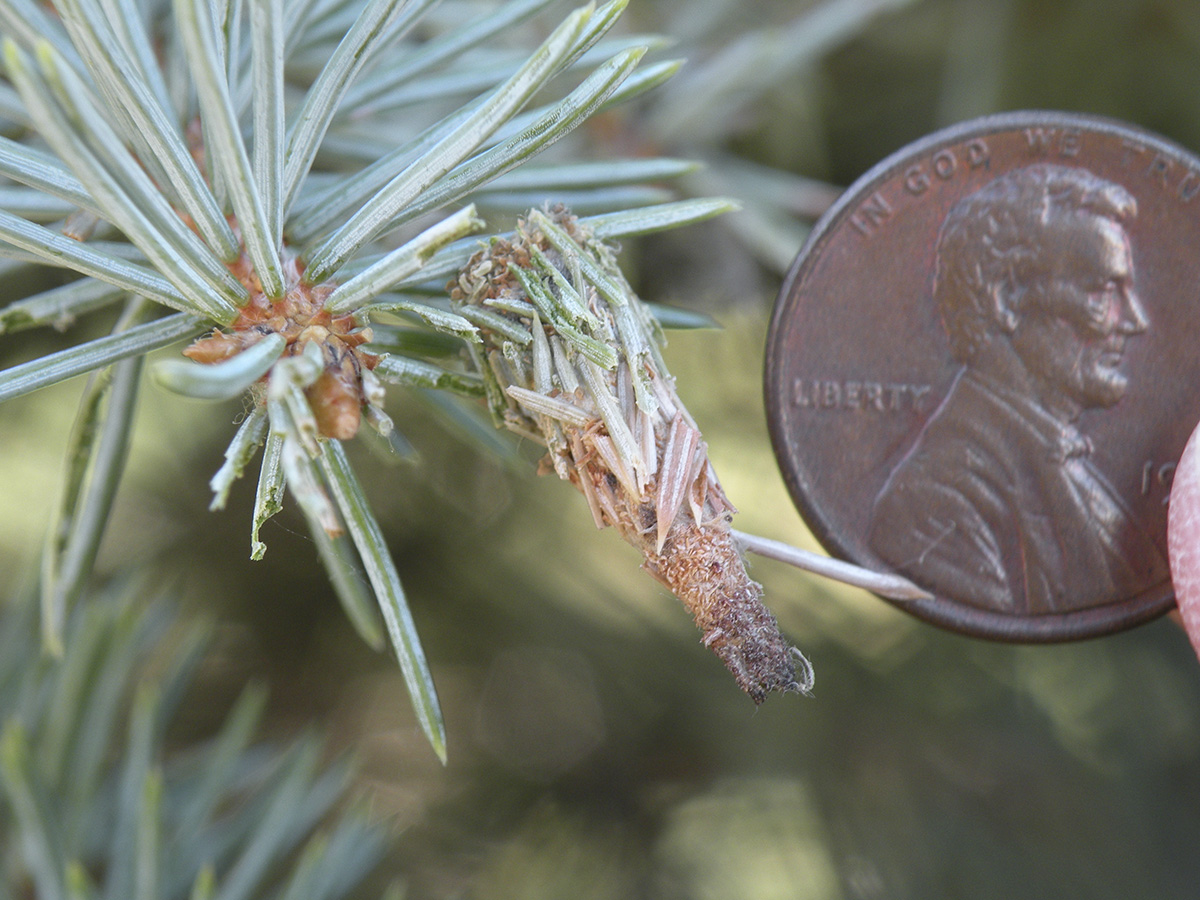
(984, 366)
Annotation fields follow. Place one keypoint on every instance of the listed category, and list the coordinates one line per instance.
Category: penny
(982, 371)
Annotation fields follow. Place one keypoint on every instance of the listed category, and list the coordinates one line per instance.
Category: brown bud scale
(337, 398)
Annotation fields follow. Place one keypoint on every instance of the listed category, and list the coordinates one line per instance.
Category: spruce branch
(242, 164)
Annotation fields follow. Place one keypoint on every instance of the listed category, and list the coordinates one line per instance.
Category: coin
(983, 366)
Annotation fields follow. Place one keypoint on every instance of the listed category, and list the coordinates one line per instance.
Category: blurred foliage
(596, 751)
(88, 812)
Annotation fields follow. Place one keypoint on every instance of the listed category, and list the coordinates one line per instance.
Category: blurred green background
(596, 749)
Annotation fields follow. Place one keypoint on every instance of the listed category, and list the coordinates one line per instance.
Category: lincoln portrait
(998, 502)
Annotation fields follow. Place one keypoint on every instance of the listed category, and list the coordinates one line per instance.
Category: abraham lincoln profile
(998, 502)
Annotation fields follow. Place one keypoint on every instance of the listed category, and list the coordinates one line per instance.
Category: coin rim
(940, 610)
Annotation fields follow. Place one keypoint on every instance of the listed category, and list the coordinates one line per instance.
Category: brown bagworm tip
(704, 569)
